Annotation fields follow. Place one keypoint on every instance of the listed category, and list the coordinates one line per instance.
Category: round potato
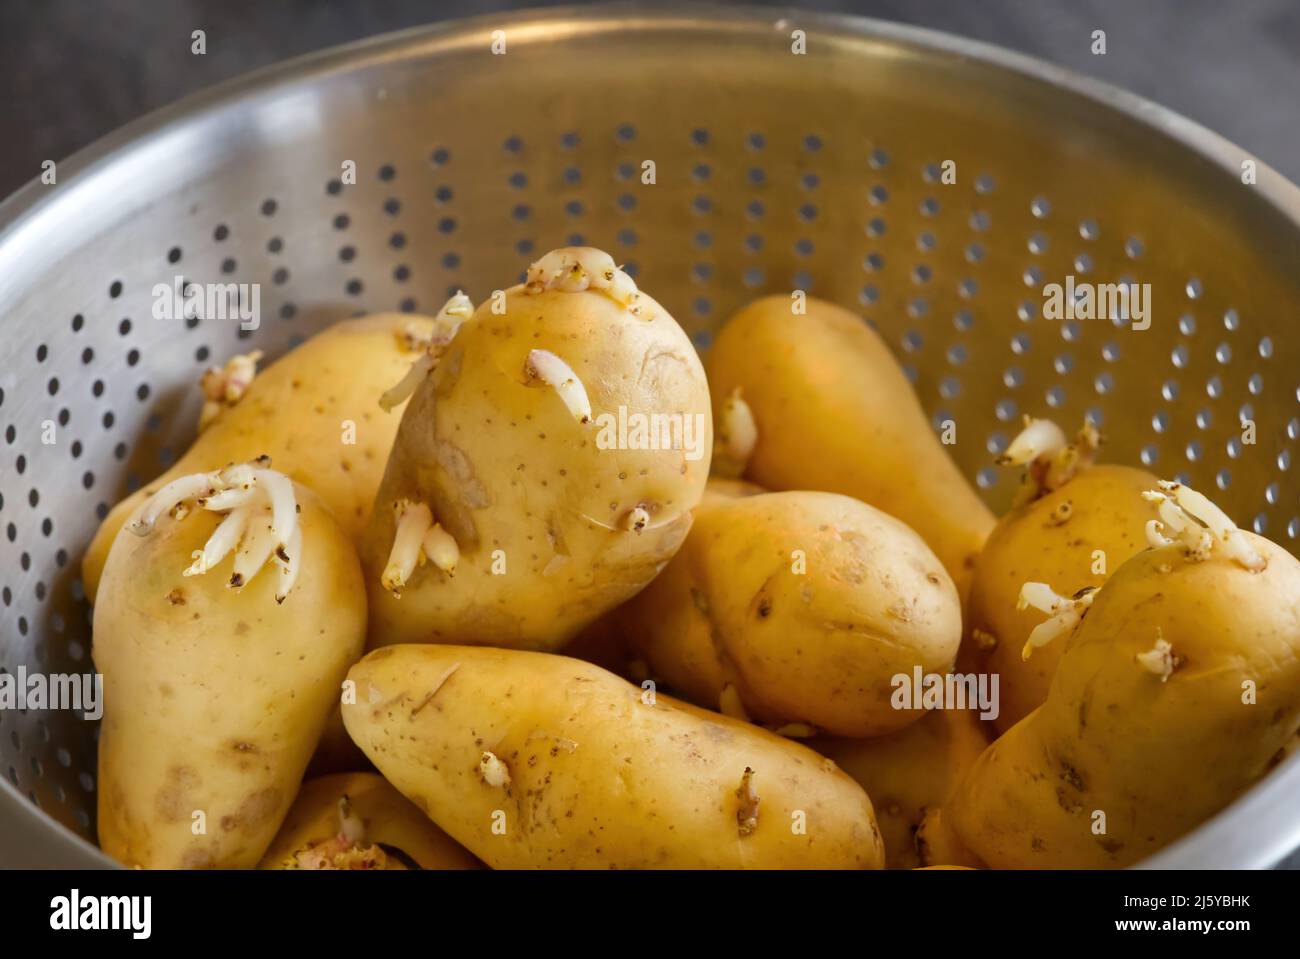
(803, 607)
(532, 760)
(544, 471)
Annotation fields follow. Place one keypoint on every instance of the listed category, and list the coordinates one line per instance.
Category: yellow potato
(834, 412)
(532, 760)
(1178, 691)
(214, 698)
(1070, 538)
(296, 412)
(358, 821)
(803, 606)
(910, 772)
(548, 513)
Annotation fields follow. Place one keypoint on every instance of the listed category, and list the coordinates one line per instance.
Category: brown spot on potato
(255, 810)
(197, 859)
(176, 597)
(1072, 776)
(172, 802)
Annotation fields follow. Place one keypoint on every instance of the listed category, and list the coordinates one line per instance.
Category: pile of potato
(446, 567)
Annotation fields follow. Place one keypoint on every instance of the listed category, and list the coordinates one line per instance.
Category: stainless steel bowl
(773, 170)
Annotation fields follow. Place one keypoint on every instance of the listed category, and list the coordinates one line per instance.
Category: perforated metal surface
(772, 172)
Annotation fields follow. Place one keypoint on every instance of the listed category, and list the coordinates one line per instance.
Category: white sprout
(548, 368)
(413, 521)
(223, 539)
(1038, 438)
(351, 826)
(172, 495)
(289, 558)
(636, 519)
(494, 772)
(1159, 660)
(445, 324)
(255, 549)
(232, 497)
(261, 520)
(573, 269)
(415, 374)
(416, 539)
(737, 435)
(284, 505)
(1066, 612)
(224, 386)
(1198, 525)
(441, 549)
(1050, 460)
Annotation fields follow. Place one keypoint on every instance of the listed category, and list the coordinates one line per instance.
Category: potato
(214, 697)
(834, 412)
(296, 411)
(910, 772)
(532, 760)
(1177, 691)
(1072, 537)
(803, 606)
(515, 510)
(358, 821)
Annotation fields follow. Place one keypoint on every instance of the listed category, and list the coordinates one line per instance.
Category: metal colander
(772, 171)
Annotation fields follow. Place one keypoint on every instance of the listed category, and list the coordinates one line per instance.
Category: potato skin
(293, 412)
(910, 772)
(389, 818)
(1107, 513)
(835, 413)
(214, 699)
(819, 646)
(598, 778)
(1157, 758)
(532, 500)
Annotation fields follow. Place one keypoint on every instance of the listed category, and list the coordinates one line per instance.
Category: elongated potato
(1071, 536)
(297, 411)
(1178, 690)
(532, 760)
(545, 470)
(215, 697)
(802, 607)
(834, 412)
(910, 772)
(357, 821)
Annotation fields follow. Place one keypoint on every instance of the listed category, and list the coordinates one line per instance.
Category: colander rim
(1219, 840)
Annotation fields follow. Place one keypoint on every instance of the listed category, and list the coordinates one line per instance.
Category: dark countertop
(73, 70)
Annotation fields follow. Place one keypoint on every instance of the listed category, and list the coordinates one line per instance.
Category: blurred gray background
(73, 70)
